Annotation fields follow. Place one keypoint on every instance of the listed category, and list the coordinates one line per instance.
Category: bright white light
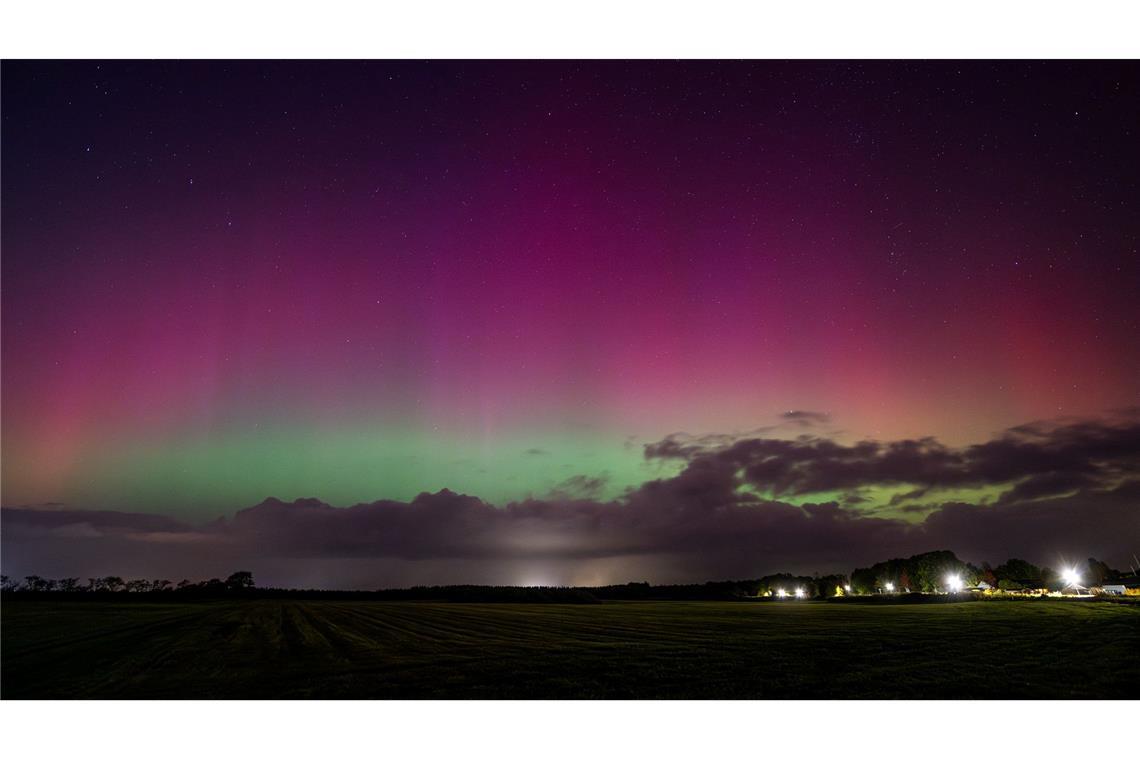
(847, 588)
(1071, 576)
(889, 586)
(799, 593)
(954, 582)
(781, 593)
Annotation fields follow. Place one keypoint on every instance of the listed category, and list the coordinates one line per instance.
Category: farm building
(1129, 587)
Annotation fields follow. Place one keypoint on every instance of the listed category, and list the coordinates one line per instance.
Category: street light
(799, 593)
(954, 582)
(781, 593)
(1071, 577)
(889, 586)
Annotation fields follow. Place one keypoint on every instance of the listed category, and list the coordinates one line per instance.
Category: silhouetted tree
(239, 581)
(864, 580)
(1099, 572)
(1019, 570)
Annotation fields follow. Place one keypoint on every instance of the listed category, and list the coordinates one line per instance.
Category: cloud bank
(1061, 490)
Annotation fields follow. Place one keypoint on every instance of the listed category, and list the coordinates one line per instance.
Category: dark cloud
(579, 487)
(806, 419)
(1040, 459)
(1071, 491)
(1103, 524)
(901, 499)
(56, 517)
(443, 524)
(1048, 484)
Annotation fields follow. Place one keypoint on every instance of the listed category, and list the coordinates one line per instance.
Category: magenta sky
(223, 281)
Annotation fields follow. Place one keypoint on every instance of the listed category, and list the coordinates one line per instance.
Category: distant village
(941, 572)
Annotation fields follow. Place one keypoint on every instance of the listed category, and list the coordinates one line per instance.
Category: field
(354, 649)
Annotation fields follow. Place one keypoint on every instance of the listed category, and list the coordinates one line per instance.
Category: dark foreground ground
(337, 649)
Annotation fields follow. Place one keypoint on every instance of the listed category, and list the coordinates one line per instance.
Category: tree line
(927, 573)
(809, 586)
(240, 581)
(921, 573)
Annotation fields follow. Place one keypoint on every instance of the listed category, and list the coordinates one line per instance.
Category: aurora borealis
(527, 282)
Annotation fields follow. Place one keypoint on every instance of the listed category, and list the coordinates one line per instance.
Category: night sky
(553, 322)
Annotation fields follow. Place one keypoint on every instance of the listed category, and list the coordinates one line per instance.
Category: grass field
(353, 649)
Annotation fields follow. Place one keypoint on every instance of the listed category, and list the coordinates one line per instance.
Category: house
(1120, 587)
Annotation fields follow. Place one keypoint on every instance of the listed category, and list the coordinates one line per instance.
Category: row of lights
(953, 582)
(799, 593)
